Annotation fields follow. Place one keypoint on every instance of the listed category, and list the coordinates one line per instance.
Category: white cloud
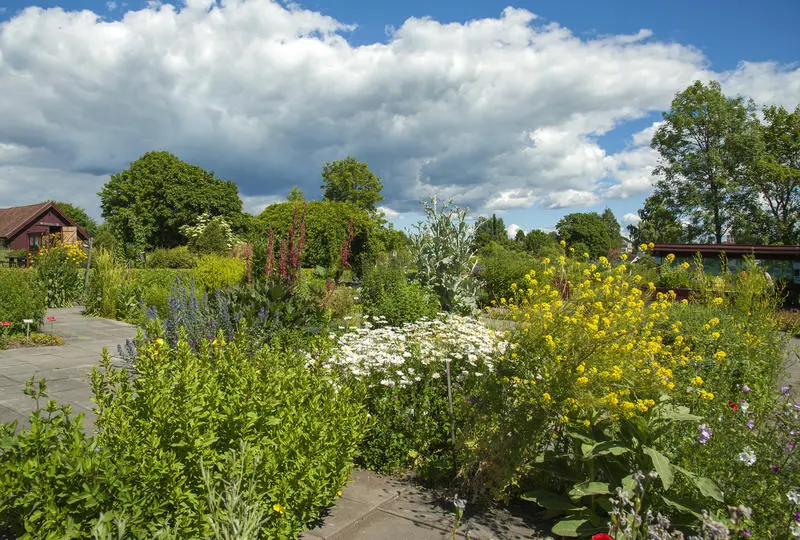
(571, 198)
(111, 5)
(255, 204)
(497, 113)
(389, 213)
(631, 218)
(512, 230)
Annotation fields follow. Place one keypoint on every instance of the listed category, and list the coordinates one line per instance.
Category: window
(34, 241)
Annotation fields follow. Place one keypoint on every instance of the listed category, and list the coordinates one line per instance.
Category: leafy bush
(210, 235)
(178, 257)
(21, 297)
(60, 270)
(175, 439)
(214, 272)
(105, 282)
(501, 270)
(442, 251)
(385, 292)
(326, 229)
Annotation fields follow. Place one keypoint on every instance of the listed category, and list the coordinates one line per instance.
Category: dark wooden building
(29, 227)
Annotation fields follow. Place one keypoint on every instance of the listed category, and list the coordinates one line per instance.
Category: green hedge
(386, 292)
(499, 269)
(326, 230)
(179, 257)
(21, 297)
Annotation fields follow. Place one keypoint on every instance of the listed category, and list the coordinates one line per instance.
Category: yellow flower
(670, 257)
(583, 380)
(563, 243)
(706, 395)
(697, 381)
(159, 342)
(546, 260)
(717, 301)
(651, 245)
(546, 396)
(279, 508)
(587, 423)
(564, 419)
(643, 247)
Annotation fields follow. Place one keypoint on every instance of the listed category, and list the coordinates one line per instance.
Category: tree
(491, 229)
(520, 236)
(774, 180)
(656, 224)
(295, 195)
(538, 241)
(350, 180)
(79, 216)
(613, 227)
(588, 229)
(147, 203)
(705, 144)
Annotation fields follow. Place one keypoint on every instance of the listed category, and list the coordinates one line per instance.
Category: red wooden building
(28, 227)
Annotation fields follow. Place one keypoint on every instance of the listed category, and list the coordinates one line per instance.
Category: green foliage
(146, 204)
(539, 242)
(704, 144)
(657, 224)
(210, 235)
(79, 216)
(295, 195)
(194, 443)
(216, 272)
(587, 228)
(386, 292)
(350, 180)
(105, 281)
(442, 251)
(489, 230)
(613, 228)
(21, 297)
(60, 269)
(326, 225)
(500, 268)
(178, 257)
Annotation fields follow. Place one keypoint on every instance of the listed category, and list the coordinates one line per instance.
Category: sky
(529, 110)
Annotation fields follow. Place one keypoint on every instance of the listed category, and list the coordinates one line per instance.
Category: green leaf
(272, 421)
(586, 489)
(605, 448)
(662, 466)
(708, 487)
(548, 500)
(681, 506)
(573, 528)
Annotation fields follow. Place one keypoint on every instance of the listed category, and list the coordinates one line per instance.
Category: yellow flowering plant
(59, 267)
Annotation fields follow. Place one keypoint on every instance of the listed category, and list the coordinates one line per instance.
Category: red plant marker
(601, 536)
(5, 323)
(51, 319)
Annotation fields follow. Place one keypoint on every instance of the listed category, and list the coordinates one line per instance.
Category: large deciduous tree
(612, 224)
(350, 180)
(774, 179)
(147, 203)
(488, 230)
(588, 229)
(705, 144)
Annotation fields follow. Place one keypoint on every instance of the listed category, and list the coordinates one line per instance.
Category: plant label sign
(6, 323)
(51, 319)
(27, 321)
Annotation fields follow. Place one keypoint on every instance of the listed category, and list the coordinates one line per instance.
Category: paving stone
(379, 524)
(420, 506)
(345, 513)
(370, 488)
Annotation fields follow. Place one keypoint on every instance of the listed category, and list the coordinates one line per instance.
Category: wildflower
(705, 433)
(745, 406)
(717, 301)
(546, 396)
(720, 355)
(774, 468)
(747, 456)
(745, 389)
(795, 529)
(435, 376)
(793, 496)
(279, 508)
(785, 389)
(159, 342)
(750, 424)
(601, 536)
(697, 381)
(732, 405)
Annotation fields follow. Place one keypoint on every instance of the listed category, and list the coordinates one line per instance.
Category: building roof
(15, 219)
(730, 250)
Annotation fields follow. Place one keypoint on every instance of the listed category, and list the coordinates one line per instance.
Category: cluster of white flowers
(390, 352)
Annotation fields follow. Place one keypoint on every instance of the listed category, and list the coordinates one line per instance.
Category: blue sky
(554, 121)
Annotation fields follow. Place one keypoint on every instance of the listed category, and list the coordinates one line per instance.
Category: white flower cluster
(391, 352)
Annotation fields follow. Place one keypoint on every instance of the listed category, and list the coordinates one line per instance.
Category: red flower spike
(601, 536)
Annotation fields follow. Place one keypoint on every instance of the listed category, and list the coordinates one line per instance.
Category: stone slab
(371, 488)
(379, 524)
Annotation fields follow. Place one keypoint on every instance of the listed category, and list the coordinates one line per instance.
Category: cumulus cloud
(389, 213)
(496, 113)
(512, 230)
(631, 218)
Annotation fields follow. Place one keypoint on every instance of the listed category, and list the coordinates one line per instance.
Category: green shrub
(326, 225)
(151, 288)
(386, 292)
(215, 272)
(499, 269)
(174, 438)
(105, 283)
(178, 257)
(60, 268)
(21, 297)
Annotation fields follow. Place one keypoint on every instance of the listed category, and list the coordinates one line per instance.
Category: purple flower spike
(785, 389)
(745, 389)
(774, 468)
(750, 424)
(705, 433)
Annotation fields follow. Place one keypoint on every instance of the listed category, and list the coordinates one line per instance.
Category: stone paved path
(371, 507)
(65, 368)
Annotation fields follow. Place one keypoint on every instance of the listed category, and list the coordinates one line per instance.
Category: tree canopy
(147, 203)
(705, 144)
(488, 230)
(657, 224)
(349, 180)
(588, 229)
(79, 216)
